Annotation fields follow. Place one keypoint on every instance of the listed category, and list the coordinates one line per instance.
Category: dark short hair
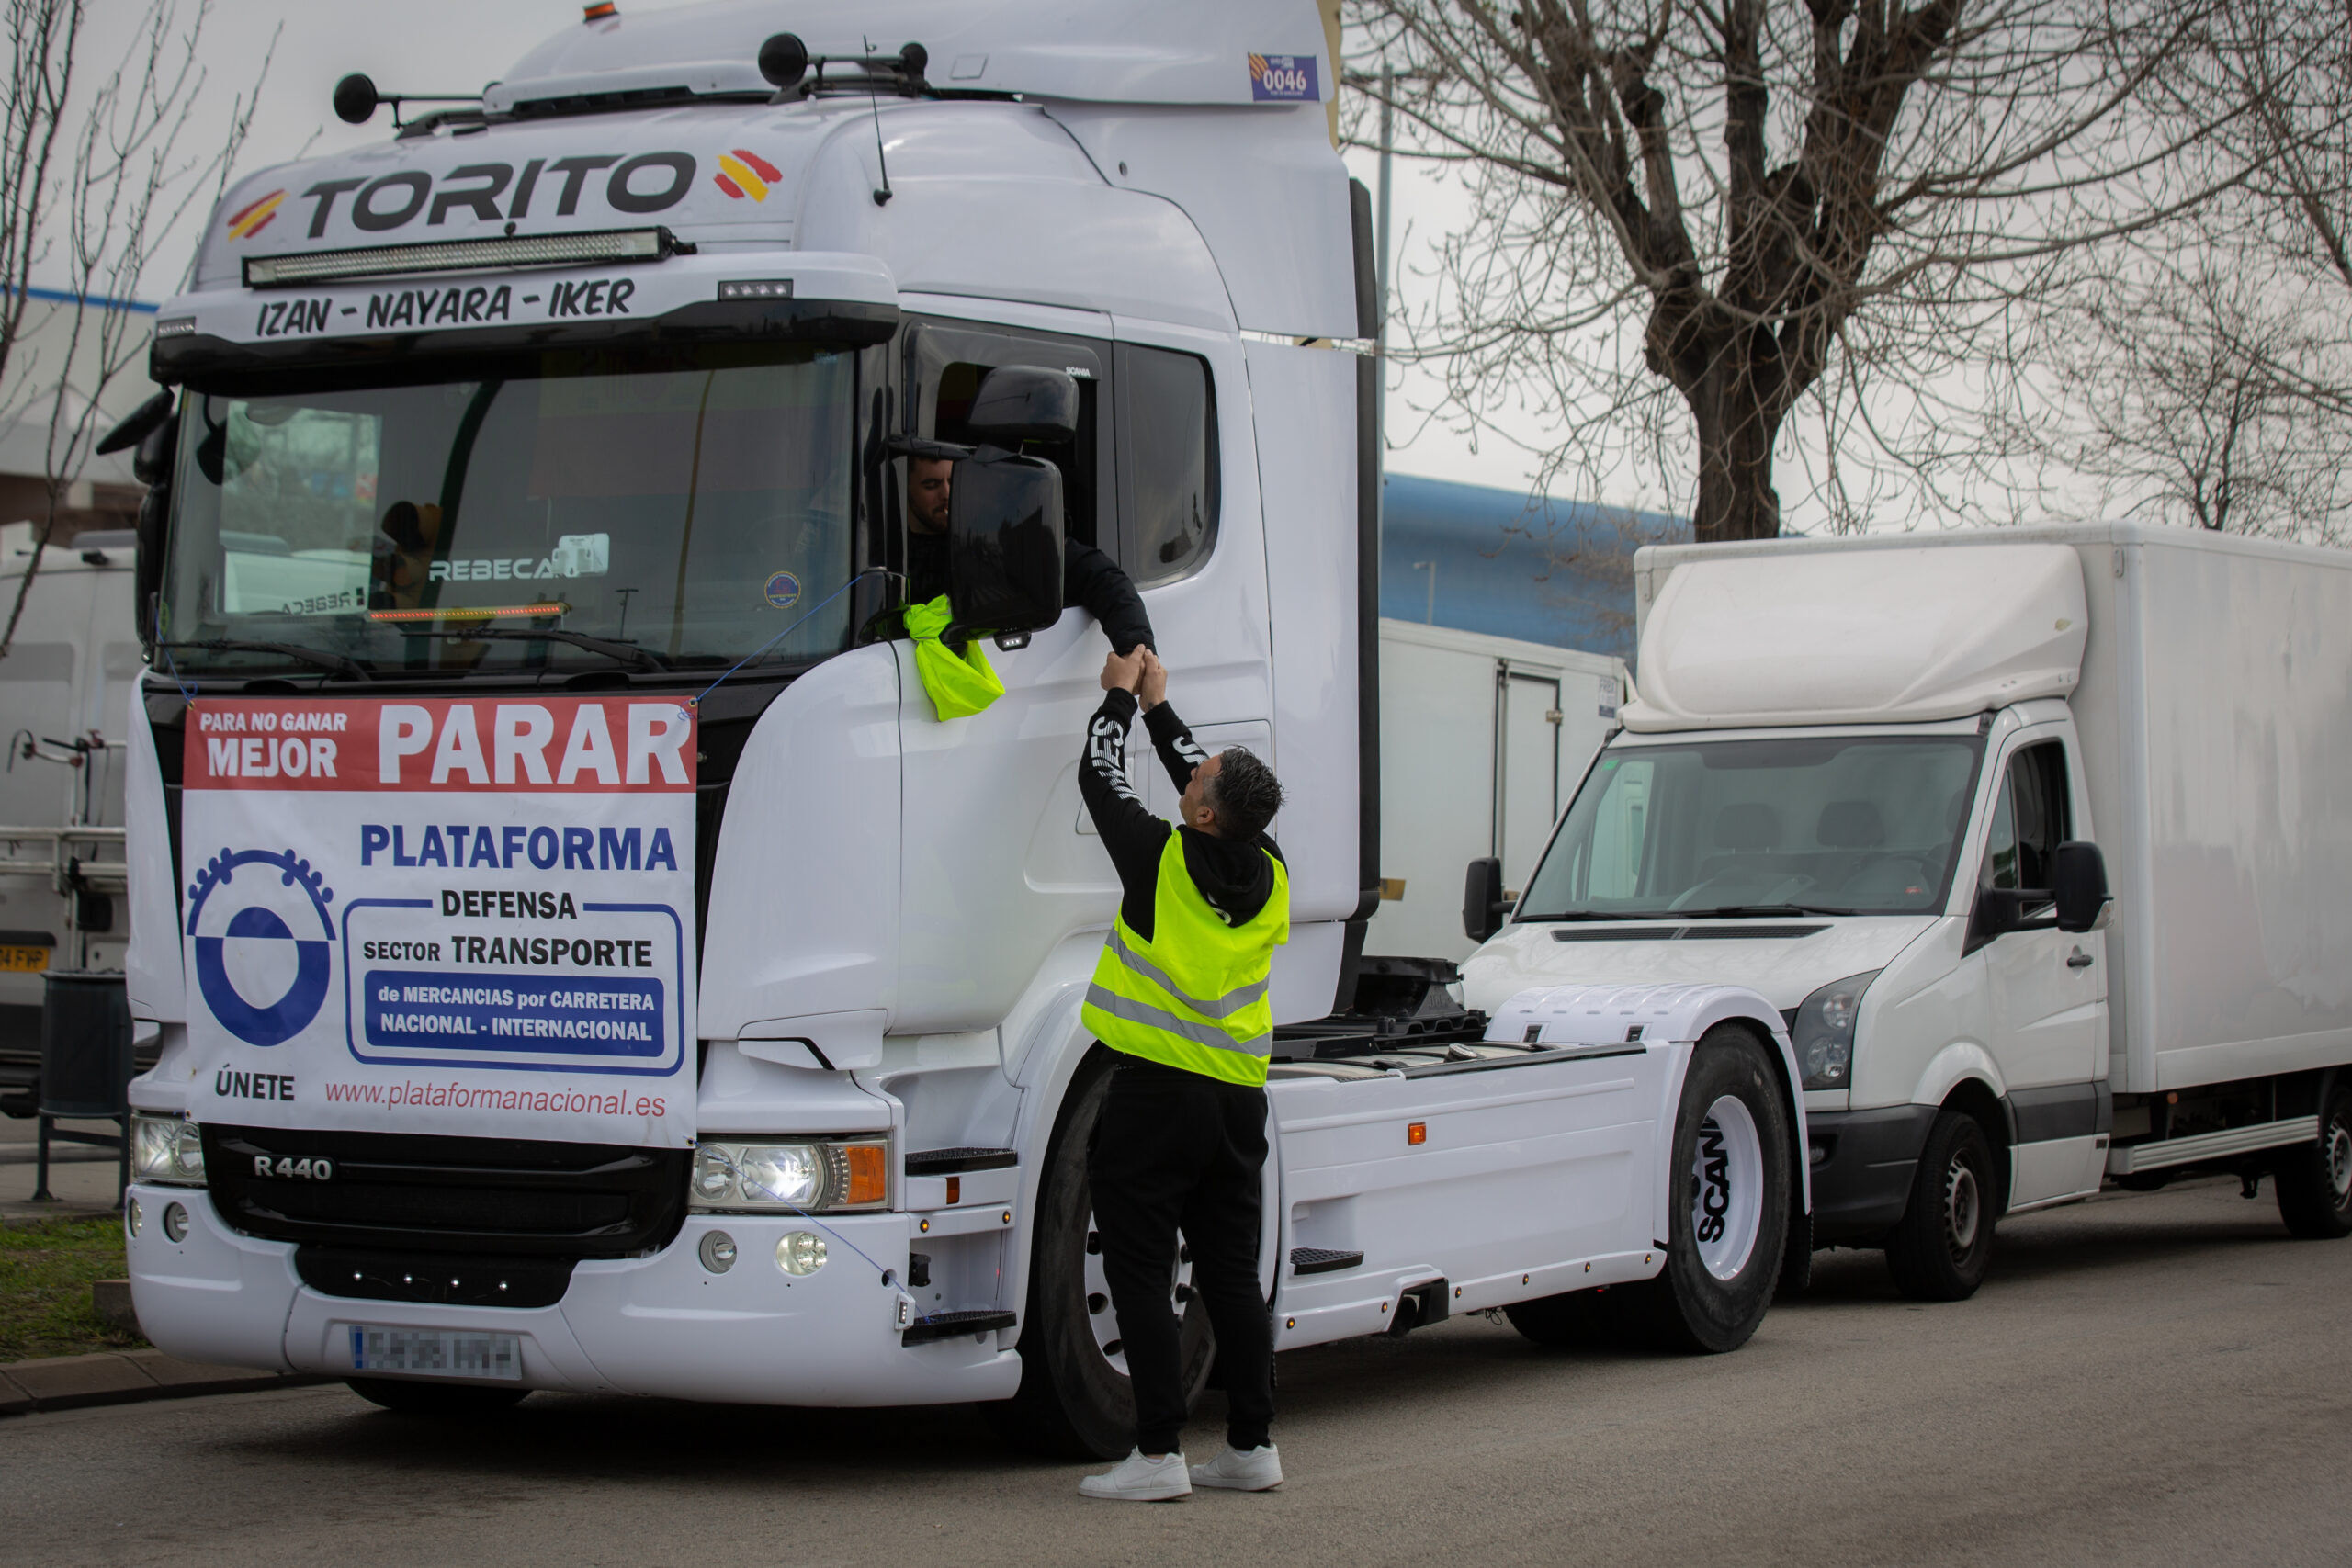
(1244, 794)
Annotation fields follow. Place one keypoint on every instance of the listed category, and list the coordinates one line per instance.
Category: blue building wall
(1536, 569)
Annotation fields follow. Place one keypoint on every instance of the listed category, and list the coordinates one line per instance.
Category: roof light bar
(460, 256)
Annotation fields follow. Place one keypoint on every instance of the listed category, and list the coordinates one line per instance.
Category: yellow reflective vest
(960, 683)
(1194, 996)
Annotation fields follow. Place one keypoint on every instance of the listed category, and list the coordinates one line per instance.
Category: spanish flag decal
(251, 220)
(743, 174)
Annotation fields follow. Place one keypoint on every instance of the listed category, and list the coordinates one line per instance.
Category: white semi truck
(1885, 782)
(582, 957)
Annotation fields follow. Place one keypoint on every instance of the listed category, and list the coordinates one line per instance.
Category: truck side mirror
(1004, 542)
(152, 466)
(1024, 402)
(2079, 872)
(1483, 904)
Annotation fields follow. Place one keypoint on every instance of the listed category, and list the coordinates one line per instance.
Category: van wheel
(1074, 1402)
(1939, 1249)
(447, 1399)
(1727, 1218)
(2314, 1179)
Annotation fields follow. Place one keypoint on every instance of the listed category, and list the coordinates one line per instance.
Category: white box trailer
(569, 819)
(65, 687)
(1865, 775)
(1482, 741)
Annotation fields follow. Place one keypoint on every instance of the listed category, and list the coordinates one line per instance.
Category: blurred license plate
(436, 1352)
(23, 958)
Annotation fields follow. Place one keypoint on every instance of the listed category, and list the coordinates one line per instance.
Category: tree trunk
(1736, 431)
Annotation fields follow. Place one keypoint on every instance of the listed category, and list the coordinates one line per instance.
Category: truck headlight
(1823, 1031)
(738, 1175)
(168, 1150)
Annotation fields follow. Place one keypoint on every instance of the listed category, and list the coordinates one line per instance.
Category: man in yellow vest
(1180, 993)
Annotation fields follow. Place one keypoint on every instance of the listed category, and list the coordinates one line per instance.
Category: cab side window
(1168, 463)
(2030, 820)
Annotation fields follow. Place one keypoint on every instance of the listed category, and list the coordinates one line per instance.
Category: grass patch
(46, 1267)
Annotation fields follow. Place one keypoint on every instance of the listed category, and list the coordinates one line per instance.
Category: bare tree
(2202, 372)
(1777, 201)
(130, 181)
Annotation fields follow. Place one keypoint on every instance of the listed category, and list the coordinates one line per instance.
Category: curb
(125, 1377)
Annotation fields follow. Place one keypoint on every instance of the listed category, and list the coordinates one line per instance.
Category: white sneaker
(1135, 1478)
(1256, 1470)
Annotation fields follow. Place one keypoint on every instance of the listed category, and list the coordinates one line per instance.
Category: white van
(1886, 782)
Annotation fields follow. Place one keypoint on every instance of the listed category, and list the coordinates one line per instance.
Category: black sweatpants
(1177, 1151)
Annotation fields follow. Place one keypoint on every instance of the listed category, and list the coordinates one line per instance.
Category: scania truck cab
(583, 957)
(1885, 781)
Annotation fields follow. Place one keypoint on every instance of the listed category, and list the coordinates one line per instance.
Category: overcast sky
(456, 46)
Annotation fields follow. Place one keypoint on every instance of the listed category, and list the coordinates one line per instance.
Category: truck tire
(444, 1399)
(1940, 1247)
(2314, 1179)
(1727, 1217)
(1074, 1402)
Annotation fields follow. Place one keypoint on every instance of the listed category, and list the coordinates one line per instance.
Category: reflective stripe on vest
(1195, 997)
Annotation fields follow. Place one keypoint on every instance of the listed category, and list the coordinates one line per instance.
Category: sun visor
(1874, 637)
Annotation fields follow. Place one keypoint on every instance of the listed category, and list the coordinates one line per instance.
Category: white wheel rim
(2339, 1160)
(1727, 1186)
(1103, 1319)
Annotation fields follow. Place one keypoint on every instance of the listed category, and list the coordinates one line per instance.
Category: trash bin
(84, 1065)
(84, 1044)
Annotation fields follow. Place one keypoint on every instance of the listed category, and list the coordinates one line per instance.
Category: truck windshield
(1820, 825)
(653, 508)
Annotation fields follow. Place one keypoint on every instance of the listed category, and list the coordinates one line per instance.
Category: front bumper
(660, 1325)
(1864, 1163)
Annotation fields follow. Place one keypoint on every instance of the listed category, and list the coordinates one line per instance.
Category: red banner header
(550, 745)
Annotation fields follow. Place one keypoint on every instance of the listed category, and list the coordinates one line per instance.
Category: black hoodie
(1232, 875)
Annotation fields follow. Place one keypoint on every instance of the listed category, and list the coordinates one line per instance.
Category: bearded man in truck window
(1090, 580)
(1180, 993)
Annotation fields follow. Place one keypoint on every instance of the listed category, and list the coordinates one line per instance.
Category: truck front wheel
(1939, 1249)
(1075, 1401)
(1727, 1217)
(2314, 1179)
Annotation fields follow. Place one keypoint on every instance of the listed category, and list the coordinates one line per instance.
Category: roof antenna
(881, 156)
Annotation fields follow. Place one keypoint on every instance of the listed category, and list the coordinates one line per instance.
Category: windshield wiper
(628, 653)
(1598, 915)
(1745, 911)
(349, 668)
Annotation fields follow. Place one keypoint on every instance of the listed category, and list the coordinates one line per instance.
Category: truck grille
(510, 1196)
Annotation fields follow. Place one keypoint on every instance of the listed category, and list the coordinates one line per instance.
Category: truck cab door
(2046, 989)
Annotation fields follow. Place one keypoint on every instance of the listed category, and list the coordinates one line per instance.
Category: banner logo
(263, 982)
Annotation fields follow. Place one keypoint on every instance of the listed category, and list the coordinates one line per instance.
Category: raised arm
(1132, 835)
(1093, 581)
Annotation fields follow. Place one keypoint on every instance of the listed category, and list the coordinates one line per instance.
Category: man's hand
(1123, 672)
(1153, 688)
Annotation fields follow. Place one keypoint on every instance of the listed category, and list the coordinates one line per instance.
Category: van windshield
(654, 507)
(1867, 826)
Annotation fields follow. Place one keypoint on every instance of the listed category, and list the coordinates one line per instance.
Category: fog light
(800, 1252)
(175, 1222)
(132, 1217)
(716, 1250)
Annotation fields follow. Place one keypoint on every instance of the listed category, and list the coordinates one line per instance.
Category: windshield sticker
(783, 590)
(575, 555)
(402, 909)
(1282, 79)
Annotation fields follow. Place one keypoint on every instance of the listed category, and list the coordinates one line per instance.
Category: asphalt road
(2145, 1380)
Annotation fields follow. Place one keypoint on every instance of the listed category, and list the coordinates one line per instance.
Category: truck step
(948, 1325)
(1322, 1260)
(950, 1162)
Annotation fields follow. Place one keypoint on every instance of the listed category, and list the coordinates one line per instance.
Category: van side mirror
(1483, 904)
(2079, 872)
(1024, 402)
(1004, 542)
